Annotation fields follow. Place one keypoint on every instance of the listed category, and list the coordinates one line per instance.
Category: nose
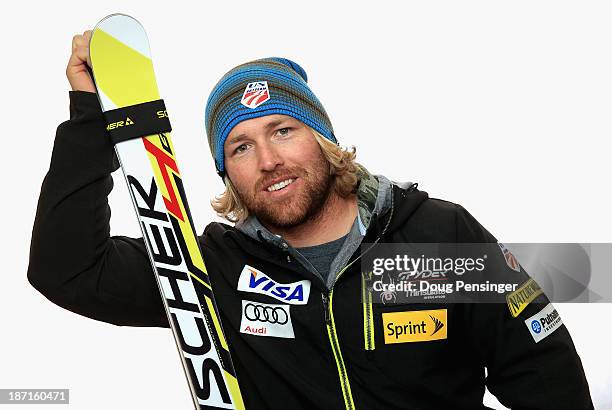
(269, 157)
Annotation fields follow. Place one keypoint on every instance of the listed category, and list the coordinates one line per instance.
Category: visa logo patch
(255, 281)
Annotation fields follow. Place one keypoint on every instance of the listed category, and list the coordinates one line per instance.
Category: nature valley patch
(522, 297)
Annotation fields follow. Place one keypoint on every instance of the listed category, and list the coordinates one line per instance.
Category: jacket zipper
(368, 317)
(333, 339)
(331, 327)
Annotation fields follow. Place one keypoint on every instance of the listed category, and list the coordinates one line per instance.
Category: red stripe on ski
(164, 161)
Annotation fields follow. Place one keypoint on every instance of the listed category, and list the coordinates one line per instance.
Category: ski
(139, 126)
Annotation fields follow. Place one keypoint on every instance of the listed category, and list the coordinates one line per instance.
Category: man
(301, 206)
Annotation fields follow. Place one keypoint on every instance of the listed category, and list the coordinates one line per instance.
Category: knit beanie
(258, 88)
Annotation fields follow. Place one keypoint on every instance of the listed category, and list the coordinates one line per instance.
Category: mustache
(286, 173)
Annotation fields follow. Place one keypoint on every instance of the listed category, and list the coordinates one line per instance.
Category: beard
(304, 205)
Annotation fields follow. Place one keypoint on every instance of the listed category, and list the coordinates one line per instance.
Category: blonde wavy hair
(342, 166)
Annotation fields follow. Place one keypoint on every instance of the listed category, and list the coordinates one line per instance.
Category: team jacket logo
(543, 323)
(264, 319)
(523, 296)
(511, 260)
(415, 326)
(266, 314)
(255, 281)
(255, 94)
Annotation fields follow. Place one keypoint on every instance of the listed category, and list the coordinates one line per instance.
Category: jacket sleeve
(73, 260)
(523, 373)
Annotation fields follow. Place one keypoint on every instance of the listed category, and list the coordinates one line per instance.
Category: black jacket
(76, 264)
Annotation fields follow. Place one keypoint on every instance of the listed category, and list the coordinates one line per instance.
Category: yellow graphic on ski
(127, 90)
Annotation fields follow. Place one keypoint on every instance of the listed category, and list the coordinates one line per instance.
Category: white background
(503, 107)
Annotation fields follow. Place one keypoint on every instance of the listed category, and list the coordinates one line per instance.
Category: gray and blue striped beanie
(256, 89)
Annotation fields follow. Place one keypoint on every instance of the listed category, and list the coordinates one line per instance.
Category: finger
(82, 52)
(77, 41)
(83, 55)
(74, 61)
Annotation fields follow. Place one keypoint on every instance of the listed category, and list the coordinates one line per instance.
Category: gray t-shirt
(321, 256)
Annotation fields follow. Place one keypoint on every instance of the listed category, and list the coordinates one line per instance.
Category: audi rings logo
(266, 314)
(266, 319)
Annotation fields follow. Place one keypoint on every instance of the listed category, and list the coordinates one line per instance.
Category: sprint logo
(438, 324)
(118, 124)
(415, 326)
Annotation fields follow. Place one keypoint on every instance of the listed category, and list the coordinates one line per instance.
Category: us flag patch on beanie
(255, 94)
